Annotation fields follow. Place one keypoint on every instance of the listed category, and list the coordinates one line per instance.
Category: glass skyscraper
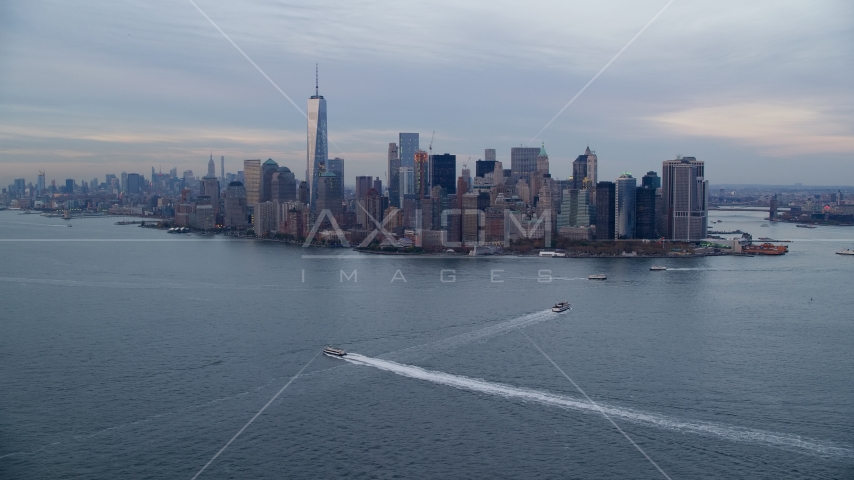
(624, 216)
(317, 142)
(407, 146)
(444, 172)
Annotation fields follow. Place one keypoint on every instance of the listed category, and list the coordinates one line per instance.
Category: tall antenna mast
(316, 82)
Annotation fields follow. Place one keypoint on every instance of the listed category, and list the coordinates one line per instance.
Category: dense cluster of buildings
(423, 201)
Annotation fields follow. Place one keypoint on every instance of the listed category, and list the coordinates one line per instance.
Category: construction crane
(431, 144)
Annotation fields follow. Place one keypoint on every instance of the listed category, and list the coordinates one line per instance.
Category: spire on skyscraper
(317, 140)
(211, 166)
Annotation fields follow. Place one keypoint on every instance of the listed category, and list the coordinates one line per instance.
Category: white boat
(656, 268)
(845, 251)
(561, 307)
(334, 352)
(598, 276)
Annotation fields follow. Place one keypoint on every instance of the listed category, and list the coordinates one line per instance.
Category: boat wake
(728, 432)
(491, 331)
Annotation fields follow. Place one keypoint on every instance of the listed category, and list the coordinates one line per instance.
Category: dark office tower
(523, 161)
(444, 172)
(408, 144)
(605, 210)
(393, 175)
(329, 193)
(625, 201)
(302, 192)
(134, 184)
(378, 185)
(284, 186)
(222, 167)
(235, 206)
(209, 188)
(579, 172)
(651, 180)
(336, 166)
(268, 169)
(685, 199)
(645, 211)
(489, 155)
(363, 184)
(482, 167)
(69, 186)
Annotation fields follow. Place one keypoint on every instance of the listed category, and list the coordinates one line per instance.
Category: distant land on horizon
(787, 187)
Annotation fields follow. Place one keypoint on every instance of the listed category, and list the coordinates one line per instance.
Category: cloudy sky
(762, 91)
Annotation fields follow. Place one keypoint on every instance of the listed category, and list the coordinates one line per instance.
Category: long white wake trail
(732, 433)
(486, 332)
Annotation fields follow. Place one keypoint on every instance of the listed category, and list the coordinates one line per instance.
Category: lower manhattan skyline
(277, 239)
(84, 108)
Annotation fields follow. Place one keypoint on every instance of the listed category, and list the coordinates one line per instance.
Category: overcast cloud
(761, 91)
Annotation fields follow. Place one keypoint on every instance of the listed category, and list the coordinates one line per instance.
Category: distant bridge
(746, 209)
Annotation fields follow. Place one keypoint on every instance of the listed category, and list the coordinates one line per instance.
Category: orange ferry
(765, 249)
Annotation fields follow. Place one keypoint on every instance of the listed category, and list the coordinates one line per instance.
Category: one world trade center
(317, 142)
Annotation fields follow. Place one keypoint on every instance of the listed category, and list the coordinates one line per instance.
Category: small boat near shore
(561, 307)
(334, 352)
(657, 268)
(805, 226)
(598, 276)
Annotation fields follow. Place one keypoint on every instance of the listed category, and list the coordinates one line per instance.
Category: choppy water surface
(129, 352)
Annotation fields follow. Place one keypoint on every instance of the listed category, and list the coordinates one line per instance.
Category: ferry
(845, 251)
(765, 249)
(805, 226)
(657, 268)
(334, 352)
(561, 307)
(598, 276)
